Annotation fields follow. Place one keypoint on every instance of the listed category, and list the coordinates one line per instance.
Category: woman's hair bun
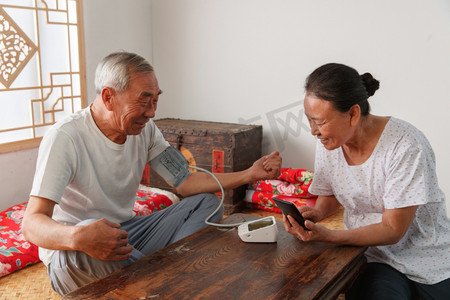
(370, 83)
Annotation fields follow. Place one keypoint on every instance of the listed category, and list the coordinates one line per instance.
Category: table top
(215, 263)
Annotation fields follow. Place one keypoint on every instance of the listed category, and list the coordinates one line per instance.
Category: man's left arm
(267, 167)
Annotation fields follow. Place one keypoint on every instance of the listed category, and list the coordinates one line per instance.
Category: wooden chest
(216, 147)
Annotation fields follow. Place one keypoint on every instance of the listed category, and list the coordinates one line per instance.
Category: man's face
(135, 106)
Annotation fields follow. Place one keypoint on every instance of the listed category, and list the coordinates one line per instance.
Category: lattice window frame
(68, 96)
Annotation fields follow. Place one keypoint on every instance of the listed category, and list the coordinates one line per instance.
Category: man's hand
(101, 239)
(267, 167)
(104, 240)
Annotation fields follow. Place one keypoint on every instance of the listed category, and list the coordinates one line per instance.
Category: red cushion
(148, 202)
(264, 200)
(15, 252)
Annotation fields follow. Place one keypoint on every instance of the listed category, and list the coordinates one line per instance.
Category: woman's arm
(391, 229)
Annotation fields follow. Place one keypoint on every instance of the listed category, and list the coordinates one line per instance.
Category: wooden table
(215, 264)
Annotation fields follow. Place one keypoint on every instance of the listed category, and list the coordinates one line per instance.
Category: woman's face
(332, 127)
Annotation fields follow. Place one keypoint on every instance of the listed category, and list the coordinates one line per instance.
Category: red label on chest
(217, 161)
(217, 164)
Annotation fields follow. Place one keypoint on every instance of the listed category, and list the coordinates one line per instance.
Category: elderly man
(89, 168)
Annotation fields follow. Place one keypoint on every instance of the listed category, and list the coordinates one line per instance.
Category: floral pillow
(149, 200)
(16, 253)
(292, 186)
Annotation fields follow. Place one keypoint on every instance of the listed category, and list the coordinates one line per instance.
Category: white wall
(115, 25)
(110, 25)
(16, 176)
(245, 61)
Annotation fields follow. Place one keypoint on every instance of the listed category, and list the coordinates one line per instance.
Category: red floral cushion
(292, 186)
(148, 202)
(15, 252)
(264, 200)
(284, 188)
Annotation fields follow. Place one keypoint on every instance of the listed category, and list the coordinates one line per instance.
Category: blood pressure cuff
(171, 165)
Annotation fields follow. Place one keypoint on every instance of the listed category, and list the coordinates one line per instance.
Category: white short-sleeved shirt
(399, 173)
(88, 175)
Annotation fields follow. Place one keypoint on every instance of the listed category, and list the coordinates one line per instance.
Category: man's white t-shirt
(88, 175)
(400, 173)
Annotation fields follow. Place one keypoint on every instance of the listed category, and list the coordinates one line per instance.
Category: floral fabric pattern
(292, 186)
(148, 202)
(296, 176)
(264, 200)
(280, 187)
(15, 252)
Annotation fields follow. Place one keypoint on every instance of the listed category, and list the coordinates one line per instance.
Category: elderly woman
(382, 171)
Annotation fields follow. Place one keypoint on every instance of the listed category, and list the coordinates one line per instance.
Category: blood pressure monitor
(264, 230)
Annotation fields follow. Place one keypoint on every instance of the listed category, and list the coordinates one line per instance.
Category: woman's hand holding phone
(305, 230)
(289, 209)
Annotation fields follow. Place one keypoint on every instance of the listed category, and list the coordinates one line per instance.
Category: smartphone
(289, 209)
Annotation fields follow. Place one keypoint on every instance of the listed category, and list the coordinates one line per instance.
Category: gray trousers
(70, 270)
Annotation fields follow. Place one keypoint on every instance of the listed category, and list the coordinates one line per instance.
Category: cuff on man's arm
(172, 166)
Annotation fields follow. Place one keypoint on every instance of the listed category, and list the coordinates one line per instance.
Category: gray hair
(115, 70)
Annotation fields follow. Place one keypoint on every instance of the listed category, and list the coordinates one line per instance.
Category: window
(42, 72)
